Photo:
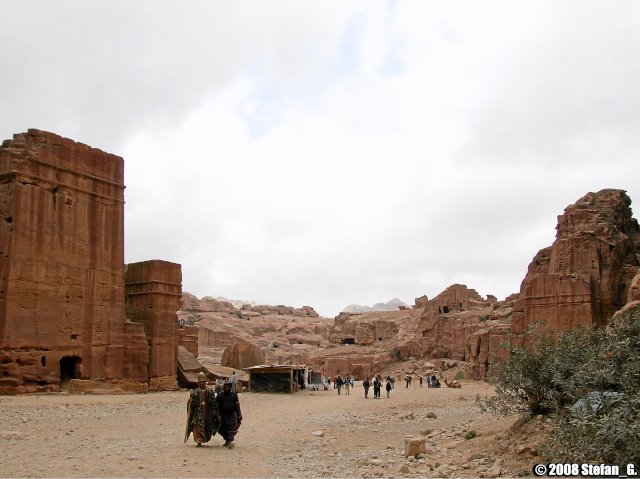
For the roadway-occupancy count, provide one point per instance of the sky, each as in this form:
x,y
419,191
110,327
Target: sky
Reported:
x,y
328,153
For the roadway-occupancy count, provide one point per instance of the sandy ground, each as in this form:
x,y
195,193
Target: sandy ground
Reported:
x,y
63,435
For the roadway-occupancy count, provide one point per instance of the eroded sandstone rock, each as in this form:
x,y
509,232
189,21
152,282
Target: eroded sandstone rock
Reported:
x,y
153,292
585,276
285,335
62,266
414,446
62,288
243,354
452,319
634,289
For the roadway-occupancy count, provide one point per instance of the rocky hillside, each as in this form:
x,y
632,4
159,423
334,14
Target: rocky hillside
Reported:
x,y
584,277
253,334
394,304
407,341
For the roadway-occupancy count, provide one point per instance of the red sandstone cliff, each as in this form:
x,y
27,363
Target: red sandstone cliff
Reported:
x,y
256,334
62,266
62,273
584,277
457,325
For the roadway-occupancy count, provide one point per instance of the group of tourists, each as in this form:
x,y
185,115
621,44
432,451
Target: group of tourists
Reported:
x,y
339,383
209,412
431,380
377,386
377,383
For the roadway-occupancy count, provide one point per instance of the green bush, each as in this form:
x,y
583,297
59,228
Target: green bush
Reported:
x,y
540,379
605,425
587,380
459,375
470,434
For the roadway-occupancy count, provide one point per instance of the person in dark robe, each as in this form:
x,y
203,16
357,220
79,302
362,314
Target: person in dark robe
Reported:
x,y
228,405
367,385
376,387
202,416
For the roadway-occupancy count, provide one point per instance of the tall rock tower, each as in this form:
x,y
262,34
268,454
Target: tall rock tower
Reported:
x,y
153,291
62,296
584,277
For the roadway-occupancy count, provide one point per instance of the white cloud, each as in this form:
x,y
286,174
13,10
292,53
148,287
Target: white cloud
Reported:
x,y
337,152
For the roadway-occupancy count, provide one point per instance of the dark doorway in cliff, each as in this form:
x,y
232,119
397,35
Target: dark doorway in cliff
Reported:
x,y
349,341
69,369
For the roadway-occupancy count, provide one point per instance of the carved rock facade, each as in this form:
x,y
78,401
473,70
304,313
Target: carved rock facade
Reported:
x,y
284,334
243,354
153,292
445,323
585,276
62,289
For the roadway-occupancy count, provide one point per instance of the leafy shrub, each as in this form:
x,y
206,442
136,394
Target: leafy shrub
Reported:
x,y
607,426
587,380
459,375
470,434
542,378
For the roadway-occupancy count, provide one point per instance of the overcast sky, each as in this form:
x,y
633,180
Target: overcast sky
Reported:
x,y
326,153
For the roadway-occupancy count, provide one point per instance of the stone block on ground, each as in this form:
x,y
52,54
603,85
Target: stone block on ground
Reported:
x,y
414,446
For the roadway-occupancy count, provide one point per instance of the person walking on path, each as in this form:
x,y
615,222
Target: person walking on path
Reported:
x,y
202,414
228,405
234,382
366,384
376,388
347,385
388,388
339,383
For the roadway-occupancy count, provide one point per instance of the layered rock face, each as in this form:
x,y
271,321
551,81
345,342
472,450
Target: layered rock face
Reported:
x,y
251,335
485,344
243,354
153,292
584,277
363,328
443,329
634,289
281,310
188,339
62,301
392,305
366,343
355,361
460,325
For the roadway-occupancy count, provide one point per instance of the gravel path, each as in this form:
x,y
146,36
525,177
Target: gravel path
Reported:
x,y
307,434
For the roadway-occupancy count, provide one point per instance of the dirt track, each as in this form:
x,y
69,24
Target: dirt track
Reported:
x,y
142,435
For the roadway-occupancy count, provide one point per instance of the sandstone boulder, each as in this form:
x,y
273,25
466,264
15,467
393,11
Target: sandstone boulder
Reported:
x,y
421,302
414,446
634,289
243,354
